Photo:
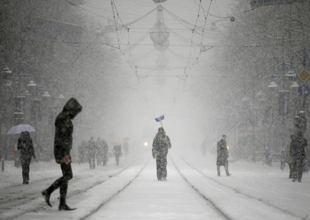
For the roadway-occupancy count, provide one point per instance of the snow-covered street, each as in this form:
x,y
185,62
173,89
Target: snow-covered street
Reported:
x,y
131,191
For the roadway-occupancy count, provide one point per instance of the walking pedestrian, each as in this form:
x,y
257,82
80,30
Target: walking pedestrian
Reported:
x,y
222,155
91,152
25,145
161,144
105,156
62,148
117,150
288,157
297,151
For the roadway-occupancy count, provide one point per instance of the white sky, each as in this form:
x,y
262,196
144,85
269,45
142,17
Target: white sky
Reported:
x,y
174,92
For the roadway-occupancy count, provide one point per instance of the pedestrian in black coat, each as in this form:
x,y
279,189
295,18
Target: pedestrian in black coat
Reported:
x,y
222,155
161,144
62,148
297,152
25,146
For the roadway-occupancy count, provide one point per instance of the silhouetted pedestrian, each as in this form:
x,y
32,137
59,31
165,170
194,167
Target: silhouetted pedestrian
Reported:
x,y
62,148
25,146
297,151
161,144
222,156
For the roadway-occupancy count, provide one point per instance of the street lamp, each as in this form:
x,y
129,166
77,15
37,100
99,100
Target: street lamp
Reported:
x,y
301,61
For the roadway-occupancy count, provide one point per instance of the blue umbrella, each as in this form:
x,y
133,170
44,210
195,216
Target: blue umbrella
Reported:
x,y
159,119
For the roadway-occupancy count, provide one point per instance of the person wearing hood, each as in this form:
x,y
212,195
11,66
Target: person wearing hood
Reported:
x,y
161,144
25,145
62,148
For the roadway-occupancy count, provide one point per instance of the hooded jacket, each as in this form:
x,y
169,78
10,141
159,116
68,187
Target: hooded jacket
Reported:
x,y
161,144
64,129
26,150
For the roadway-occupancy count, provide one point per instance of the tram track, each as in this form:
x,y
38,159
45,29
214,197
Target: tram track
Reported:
x,y
19,199
220,212
233,191
107,200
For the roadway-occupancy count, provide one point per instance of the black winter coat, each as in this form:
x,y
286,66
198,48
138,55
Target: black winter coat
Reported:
x,y
64,129
161,144
222,153
297,148
25,146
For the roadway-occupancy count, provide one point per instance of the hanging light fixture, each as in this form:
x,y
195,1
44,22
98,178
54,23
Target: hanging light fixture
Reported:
x,y
159,33
294,85
159,1
61,96
161,47
46,94
272,85
31,84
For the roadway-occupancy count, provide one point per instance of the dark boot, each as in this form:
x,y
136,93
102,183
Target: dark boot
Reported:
x,y
63,195
46,195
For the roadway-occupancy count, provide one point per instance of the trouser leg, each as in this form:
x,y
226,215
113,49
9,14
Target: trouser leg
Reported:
x,y
27,170
218,170
24,168
158,167
294,169
66,176
299,169
226,170
164,167
291,170
63,193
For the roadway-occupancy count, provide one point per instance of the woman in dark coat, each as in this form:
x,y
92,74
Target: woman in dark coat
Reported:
x,y
222,155
25,146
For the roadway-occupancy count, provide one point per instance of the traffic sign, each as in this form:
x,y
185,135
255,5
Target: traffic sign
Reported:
x,y
304,75
304,90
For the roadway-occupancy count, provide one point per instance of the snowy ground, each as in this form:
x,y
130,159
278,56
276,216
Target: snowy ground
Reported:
x,y
131,191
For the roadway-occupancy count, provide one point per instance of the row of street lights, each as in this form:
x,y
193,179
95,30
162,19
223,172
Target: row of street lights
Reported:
x,y
27,103
280,78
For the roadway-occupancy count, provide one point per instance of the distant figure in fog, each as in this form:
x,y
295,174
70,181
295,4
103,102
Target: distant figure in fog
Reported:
x,y
25,146
297,151
105,156
81,150
288,157
62,148
268,159
222,155
161,144
117,150
91,152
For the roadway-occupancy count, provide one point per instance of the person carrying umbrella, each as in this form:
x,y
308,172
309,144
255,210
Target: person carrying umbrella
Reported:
x,y
161,144
62,148
25,146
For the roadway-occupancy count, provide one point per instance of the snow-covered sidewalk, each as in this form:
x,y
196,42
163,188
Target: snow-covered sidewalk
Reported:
x,y
131,191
